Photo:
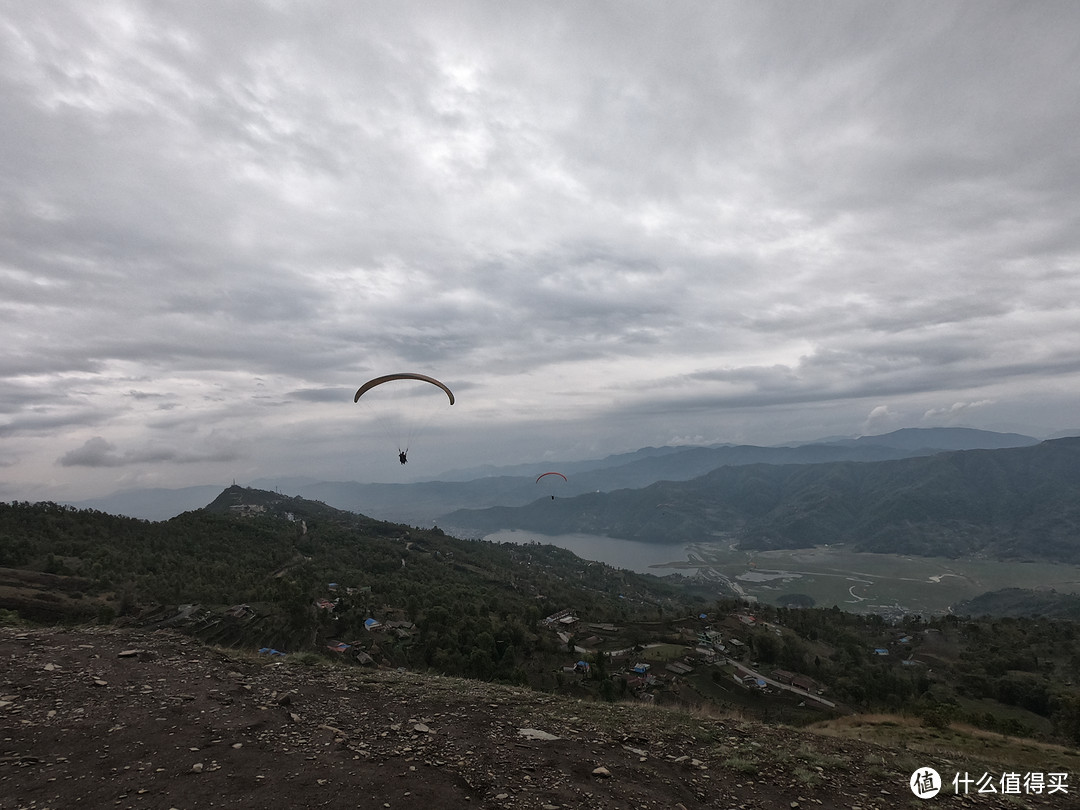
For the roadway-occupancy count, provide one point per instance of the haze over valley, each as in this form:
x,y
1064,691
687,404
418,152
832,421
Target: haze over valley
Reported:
x,y
914,521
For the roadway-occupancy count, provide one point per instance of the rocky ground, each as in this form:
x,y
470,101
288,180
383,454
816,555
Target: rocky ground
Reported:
x,y
118,718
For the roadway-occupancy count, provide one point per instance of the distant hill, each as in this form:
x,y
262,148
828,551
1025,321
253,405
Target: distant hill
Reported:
x,y
425,502
1022,602
1014,503
567,467
942,438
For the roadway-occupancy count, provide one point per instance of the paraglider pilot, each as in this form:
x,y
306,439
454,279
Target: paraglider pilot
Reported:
x,y
401,456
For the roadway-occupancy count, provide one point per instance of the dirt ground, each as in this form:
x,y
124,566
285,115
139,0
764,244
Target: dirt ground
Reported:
x,y
120,718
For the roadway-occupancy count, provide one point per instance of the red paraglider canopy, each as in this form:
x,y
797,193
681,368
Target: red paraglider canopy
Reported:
x,y
563,477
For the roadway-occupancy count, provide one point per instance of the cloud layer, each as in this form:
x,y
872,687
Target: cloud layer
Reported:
x,y
604,225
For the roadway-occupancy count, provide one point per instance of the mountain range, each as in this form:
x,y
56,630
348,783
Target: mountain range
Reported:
x,y
1018,503
481,487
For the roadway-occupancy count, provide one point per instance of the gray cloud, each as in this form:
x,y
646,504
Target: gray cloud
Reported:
x,y
608,225
97,452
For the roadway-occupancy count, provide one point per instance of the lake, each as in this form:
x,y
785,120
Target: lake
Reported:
x,y
862,582
629,554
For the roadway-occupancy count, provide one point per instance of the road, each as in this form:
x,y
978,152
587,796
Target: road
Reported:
x,y
800,692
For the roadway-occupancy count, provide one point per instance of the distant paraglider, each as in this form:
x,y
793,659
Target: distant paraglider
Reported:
x,y
401,413
551,483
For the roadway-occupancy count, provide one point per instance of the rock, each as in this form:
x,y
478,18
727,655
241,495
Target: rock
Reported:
x,y
535,734
197,767
420,728
128,653
602,772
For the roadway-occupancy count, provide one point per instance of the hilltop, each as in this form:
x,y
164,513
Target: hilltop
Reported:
x,y
123,718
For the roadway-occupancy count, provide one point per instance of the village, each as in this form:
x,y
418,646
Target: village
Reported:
x,y
693,660
706,645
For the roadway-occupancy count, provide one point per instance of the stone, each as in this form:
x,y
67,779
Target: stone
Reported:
x,y
535,734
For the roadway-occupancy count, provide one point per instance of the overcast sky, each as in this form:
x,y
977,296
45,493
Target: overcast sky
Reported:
x,y
604,225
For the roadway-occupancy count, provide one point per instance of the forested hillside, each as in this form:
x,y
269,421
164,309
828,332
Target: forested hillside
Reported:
x,y
281,555
1016,503
259,571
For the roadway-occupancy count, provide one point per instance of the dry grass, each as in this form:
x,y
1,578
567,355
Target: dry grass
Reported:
x,y
853,721
958,743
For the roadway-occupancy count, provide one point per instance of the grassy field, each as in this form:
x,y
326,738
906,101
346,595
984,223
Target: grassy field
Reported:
x,y
866,583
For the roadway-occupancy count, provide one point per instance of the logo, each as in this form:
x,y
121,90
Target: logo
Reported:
x,y
925,783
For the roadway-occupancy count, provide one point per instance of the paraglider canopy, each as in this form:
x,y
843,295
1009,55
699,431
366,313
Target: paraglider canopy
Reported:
x,y
403,376
563,477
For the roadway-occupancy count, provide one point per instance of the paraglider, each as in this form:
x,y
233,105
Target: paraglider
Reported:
x,y
400,412
551,482
404,376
